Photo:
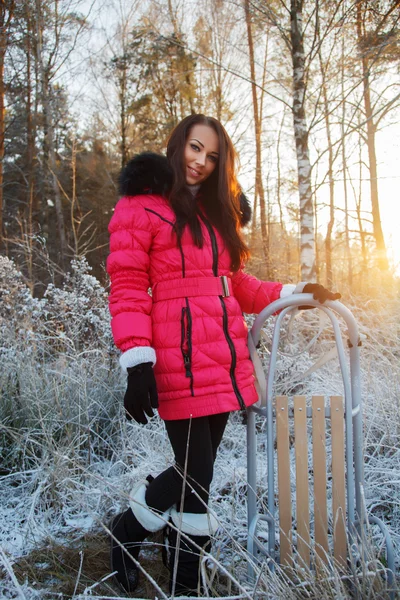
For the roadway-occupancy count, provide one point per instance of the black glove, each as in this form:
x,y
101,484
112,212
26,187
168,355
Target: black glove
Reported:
x,y
141,394
320,293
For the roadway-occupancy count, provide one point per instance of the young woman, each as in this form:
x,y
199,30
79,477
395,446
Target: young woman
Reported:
x,y
176,230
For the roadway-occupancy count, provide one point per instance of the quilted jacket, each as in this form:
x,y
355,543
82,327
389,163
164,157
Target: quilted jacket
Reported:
x,y
180,300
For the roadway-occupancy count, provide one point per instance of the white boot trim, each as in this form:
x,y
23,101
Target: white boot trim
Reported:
x,y
194,524
148,517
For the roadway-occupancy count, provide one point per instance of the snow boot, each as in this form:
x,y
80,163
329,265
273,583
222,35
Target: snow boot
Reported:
x,y
188,551
128,530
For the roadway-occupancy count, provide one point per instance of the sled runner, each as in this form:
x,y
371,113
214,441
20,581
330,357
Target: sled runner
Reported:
x,y
336,425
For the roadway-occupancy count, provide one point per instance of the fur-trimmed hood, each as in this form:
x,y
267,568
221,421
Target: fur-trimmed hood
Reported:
x,y
150,173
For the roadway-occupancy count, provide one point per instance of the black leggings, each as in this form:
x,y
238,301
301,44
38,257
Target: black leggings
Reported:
x,y
205,435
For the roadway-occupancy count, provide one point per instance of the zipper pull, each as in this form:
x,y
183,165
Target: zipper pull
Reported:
x,y
186,361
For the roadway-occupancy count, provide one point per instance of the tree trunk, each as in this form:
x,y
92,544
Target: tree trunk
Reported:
x,y
30,149
363,233
315,208
3,46
284,234
346,210
123,114
331,222
259,188
49,133
254,222
371,130
279,176
344,166
6,14
307,235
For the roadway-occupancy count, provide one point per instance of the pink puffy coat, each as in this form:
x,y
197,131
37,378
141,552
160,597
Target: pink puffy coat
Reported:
x,y
193,318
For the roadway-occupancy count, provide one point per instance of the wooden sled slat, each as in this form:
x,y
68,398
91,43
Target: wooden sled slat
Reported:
x,y
338,481
319,464
284,496
302,491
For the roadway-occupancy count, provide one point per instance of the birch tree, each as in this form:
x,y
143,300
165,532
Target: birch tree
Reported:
x,y
307,233
281,17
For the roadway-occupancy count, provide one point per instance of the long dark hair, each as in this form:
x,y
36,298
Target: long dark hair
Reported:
x,y
220,192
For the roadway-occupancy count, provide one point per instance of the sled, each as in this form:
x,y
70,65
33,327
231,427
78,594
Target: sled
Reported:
x,y
322,536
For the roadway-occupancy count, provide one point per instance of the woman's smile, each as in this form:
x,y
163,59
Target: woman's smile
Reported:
x,y
194,172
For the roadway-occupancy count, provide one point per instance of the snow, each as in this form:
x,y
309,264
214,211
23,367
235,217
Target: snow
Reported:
x,y
69,457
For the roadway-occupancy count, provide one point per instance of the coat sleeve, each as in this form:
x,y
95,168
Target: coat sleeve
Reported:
x,y
253,294
130,304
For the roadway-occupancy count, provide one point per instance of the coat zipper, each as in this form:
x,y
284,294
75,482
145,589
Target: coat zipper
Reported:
x,y
233,355
186,342
225,314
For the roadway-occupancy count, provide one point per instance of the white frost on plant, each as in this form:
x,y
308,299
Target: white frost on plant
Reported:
x,y
69,458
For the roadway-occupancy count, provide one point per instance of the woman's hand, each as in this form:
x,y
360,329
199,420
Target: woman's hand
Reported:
x,y
320,292
141,394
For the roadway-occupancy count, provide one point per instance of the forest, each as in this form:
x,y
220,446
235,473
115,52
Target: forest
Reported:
x,y
309,91
305,89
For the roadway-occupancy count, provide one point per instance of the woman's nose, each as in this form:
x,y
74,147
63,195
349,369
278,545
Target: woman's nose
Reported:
x,y
201,159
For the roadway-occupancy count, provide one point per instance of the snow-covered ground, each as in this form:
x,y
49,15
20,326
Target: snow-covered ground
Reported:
x,y
69,457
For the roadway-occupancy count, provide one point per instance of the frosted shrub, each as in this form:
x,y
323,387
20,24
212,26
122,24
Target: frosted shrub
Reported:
x,y
18,310
59,363
77,314
19,317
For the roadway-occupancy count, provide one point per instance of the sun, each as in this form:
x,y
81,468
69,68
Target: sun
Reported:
x,y
388,153
389,202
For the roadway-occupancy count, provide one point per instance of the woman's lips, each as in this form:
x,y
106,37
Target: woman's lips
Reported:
x,y
193,172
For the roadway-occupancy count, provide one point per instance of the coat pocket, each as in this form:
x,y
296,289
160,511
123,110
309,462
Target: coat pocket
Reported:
x,y
186,342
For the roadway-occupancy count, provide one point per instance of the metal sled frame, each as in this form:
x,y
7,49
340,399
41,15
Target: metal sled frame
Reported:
x,y
354,515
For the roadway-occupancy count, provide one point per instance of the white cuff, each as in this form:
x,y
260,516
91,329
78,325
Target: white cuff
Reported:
x,y
148,517
290,288
300,287
136,356
194,524
287,290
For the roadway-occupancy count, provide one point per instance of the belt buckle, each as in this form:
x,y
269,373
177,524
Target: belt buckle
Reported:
x,y
225,286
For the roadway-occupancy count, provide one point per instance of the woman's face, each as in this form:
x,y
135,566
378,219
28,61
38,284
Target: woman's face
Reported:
x,y
201,154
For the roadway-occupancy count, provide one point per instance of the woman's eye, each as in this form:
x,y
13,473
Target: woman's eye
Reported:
x,y
213,158
194,147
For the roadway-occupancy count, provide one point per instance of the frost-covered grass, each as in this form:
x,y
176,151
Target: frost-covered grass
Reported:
x,y
69,457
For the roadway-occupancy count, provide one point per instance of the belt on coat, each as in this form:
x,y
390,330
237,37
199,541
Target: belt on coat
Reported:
x,y
192,286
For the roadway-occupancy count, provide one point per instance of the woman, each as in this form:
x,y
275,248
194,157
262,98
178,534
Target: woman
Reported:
x,y
176,230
